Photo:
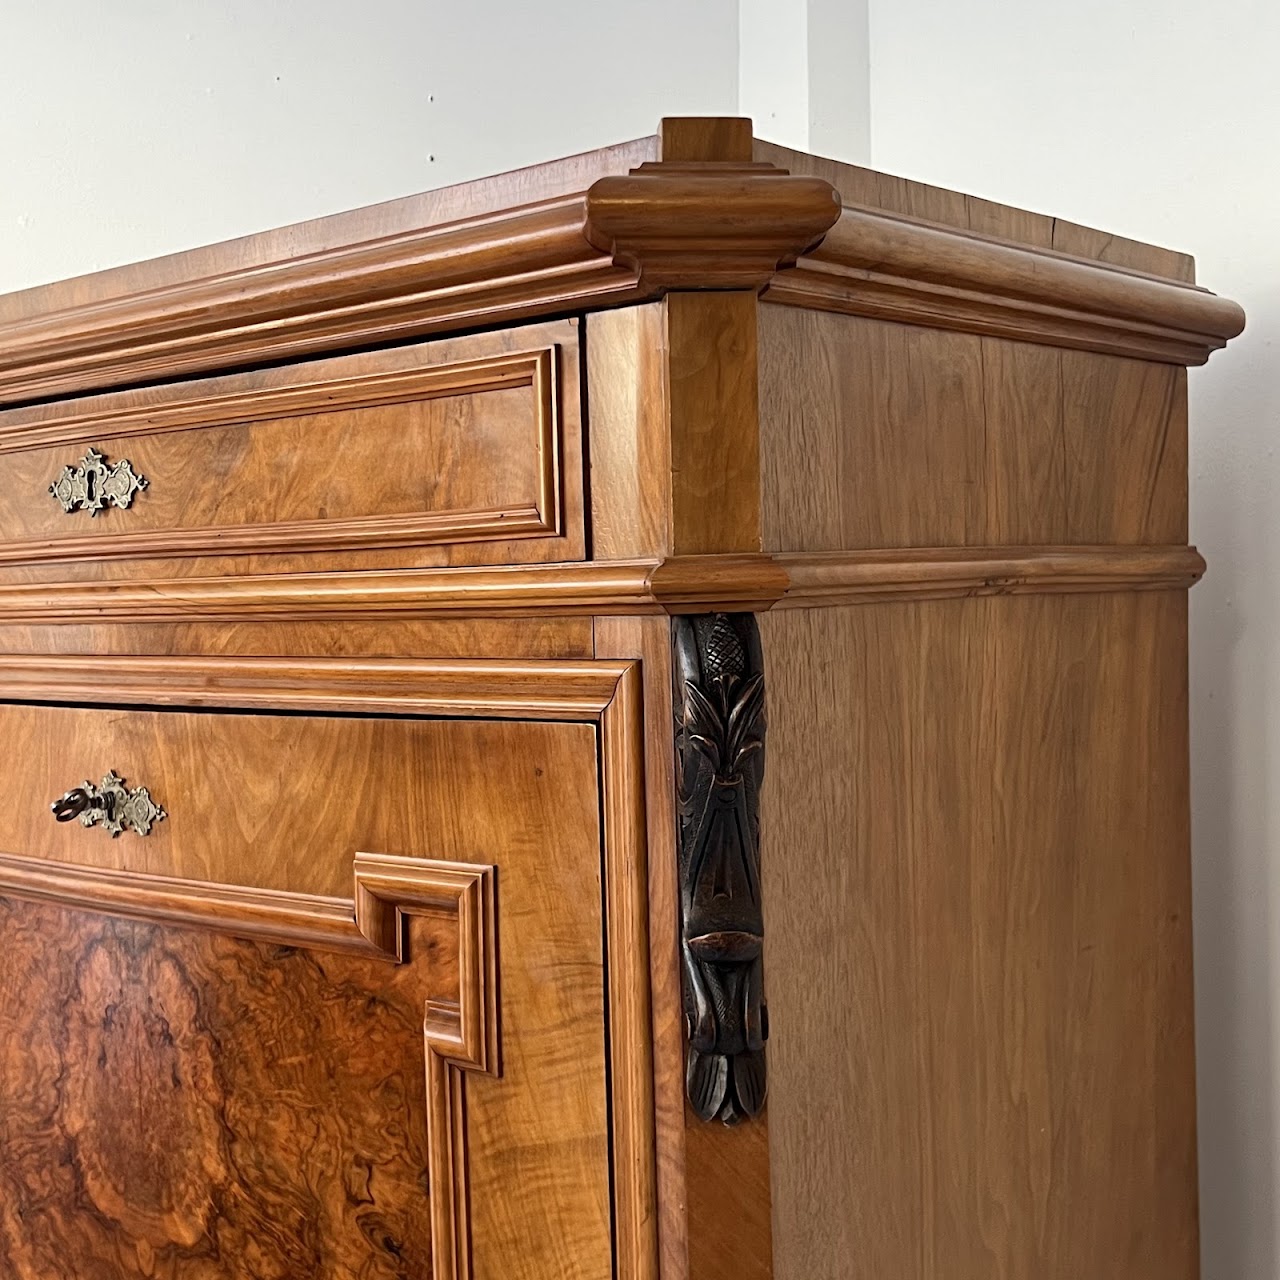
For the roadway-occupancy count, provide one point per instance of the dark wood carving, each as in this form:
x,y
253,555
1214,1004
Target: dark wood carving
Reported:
x,y
720,727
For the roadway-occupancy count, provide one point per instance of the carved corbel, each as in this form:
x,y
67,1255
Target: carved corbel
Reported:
x,y
720,730
699,225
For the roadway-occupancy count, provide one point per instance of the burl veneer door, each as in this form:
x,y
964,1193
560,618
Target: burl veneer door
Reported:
x,y
340,1013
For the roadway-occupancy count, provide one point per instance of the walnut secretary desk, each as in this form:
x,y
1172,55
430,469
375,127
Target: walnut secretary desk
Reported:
x,y
627,719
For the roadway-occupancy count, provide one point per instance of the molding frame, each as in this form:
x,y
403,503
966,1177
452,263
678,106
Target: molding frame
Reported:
x,y
460,1025
387,890
681,584
204,406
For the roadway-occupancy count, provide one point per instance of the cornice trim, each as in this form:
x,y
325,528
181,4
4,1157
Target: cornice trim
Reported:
x,y
890,267
627,238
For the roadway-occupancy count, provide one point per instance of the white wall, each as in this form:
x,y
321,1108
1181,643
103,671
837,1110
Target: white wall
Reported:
x,y
1160,119
141,127
138,127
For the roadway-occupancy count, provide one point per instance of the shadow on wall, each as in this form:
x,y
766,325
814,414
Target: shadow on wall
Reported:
x,y
1235,683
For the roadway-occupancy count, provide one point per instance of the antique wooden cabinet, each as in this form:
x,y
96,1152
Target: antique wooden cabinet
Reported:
x,y
623,720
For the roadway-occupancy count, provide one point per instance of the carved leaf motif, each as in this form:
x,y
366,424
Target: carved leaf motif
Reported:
x,y
720,704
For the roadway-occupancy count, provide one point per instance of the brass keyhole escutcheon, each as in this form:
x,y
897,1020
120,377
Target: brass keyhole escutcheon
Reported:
x,y
112,805
94,484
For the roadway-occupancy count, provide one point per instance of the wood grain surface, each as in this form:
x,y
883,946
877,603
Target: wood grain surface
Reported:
x,y
473,440
536,816
893,436
978,941
241,790
712,1181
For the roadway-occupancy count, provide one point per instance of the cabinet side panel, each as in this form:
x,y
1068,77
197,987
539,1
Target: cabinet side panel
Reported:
x,y
875,434
978,940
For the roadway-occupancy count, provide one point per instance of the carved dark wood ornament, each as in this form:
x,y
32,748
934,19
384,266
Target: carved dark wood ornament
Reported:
x,y
720,727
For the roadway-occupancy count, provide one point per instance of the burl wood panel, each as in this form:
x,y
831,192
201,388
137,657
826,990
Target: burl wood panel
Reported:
x,y
978,940
288,800
875,434
184,1105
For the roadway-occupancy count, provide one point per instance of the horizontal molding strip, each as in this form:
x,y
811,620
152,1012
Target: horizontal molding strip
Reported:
x,y
503,689
265,915
627,238
685,584
203,403
462,1026
493,269
360,534
831,578
891,267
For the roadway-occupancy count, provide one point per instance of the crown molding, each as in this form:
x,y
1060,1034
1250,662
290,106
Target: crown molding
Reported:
x,y
624,238
891,267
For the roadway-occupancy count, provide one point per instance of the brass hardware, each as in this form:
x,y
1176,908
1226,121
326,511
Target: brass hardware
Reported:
x,y
112,804
95,483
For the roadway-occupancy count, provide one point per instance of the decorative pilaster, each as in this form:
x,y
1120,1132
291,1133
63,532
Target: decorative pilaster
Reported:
x,y
719,733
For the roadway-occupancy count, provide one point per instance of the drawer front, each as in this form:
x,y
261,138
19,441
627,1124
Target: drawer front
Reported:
x,y
464,449
210,1060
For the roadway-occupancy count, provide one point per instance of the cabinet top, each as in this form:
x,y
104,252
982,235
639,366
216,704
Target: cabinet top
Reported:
x,y
702,204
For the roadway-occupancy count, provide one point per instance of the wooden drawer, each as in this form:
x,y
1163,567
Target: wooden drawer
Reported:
x,y
209,1054
463,450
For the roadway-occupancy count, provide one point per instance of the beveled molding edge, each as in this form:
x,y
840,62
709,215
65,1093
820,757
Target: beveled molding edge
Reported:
x,y
85,422
627,238
683,584
892,267
206,402
460,1024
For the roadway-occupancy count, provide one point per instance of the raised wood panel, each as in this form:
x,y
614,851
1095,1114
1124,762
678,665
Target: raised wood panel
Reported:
x,y
558,807
185,1105
456,441
978,940
887,435
531,807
